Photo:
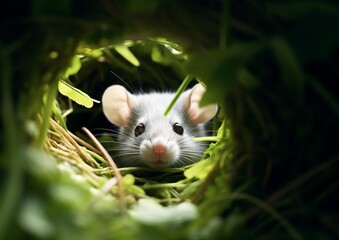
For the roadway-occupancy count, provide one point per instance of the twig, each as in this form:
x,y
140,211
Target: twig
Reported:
x,y
116,171
93,178
82,142
71,140
291,186
294,234
258,114
163,185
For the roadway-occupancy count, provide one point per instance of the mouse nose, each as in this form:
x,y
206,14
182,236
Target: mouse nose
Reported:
x,y
159,149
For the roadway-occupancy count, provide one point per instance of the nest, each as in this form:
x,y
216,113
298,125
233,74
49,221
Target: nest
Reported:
x,y
270,169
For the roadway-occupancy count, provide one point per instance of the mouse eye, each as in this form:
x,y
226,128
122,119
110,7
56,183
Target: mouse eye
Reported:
x,y
140,129
177,128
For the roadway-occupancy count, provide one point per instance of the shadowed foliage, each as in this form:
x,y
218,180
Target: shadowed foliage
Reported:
x,y
271,169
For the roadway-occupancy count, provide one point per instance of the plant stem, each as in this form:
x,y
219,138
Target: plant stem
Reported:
x,y
293,185
206,139
12,185
203,187
47,111
116,171
274,214
182,87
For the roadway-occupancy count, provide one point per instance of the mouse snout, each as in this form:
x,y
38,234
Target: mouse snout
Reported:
x,y
159,149
159,153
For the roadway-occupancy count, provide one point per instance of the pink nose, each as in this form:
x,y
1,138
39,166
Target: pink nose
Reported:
x,y
159,149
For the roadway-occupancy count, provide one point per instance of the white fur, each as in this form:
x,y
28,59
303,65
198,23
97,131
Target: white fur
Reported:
x,y
127,111
196,113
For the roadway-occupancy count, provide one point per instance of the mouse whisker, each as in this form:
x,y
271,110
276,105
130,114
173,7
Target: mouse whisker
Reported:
x,y
125,155
190,153
127,143
108,141
185,161
104,131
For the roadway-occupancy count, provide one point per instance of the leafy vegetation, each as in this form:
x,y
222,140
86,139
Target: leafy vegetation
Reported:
x,y
270,169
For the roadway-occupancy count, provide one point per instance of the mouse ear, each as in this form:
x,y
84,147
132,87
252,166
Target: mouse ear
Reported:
x,y
196,113
117,104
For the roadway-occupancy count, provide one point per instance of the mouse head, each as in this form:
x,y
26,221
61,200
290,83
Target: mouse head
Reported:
x,y
118,104
149,138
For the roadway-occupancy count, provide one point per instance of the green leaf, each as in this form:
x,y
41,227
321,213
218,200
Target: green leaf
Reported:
x,y
163,215
211,230
167,53
128,182
127,54
199,170
75,94
33,219
247,79
40,164
218,69
74,67
292,74
158,56
174,48
69,193
95,53
206,67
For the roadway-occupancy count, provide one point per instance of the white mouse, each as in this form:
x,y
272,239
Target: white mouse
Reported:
x,y
148,138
